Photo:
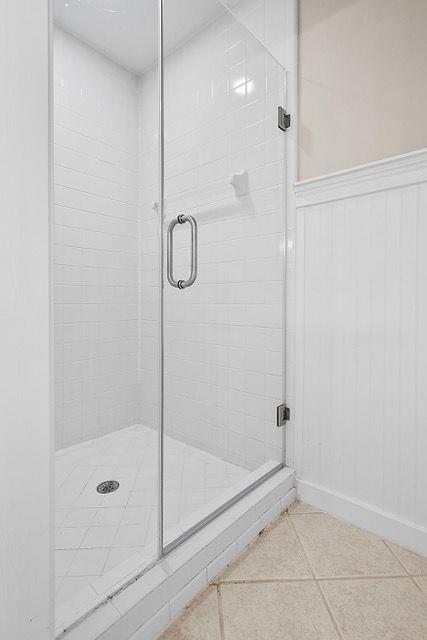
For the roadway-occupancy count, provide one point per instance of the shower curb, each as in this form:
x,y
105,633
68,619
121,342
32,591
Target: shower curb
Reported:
x,y
144,609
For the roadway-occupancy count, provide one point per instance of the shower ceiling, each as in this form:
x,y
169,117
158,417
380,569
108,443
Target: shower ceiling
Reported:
x,y
126,30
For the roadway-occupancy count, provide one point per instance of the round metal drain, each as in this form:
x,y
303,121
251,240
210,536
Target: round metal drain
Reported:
x,y
108,486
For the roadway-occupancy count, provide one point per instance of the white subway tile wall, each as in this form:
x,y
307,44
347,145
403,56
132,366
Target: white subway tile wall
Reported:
x,y
95,244
265,19
224,335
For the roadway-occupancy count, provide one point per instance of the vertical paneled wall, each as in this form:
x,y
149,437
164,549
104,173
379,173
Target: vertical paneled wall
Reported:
x,y
224,335
96,243
362,337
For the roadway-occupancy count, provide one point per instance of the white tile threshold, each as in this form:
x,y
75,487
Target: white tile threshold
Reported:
x,y
143,609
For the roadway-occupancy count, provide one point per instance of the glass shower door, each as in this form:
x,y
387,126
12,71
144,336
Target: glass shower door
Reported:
x,y
224,271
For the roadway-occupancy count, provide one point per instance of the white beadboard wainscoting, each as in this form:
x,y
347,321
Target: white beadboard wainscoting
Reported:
x,y
361,412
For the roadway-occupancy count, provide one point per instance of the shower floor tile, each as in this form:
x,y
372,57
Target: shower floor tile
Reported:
x,y
97,532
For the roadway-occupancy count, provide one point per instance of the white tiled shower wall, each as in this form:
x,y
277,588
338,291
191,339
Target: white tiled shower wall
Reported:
x,y
96,244
224,335
266,20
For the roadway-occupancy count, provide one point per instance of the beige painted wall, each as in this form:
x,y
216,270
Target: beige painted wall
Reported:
x,y
362,82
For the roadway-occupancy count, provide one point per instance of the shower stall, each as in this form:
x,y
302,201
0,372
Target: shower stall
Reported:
x,y
169,278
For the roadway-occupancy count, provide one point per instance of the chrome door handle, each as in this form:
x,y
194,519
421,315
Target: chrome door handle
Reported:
x,y
182,284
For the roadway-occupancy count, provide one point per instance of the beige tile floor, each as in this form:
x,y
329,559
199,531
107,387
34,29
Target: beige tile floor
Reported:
x,y
312,577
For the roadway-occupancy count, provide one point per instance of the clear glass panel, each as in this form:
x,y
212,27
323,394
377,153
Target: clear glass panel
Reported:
x,y
223,335
223,347
106,294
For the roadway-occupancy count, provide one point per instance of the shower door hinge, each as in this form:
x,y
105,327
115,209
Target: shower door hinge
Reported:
x,y
283,415
283,119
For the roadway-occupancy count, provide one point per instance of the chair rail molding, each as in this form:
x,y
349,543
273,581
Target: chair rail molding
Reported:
x,y
397,171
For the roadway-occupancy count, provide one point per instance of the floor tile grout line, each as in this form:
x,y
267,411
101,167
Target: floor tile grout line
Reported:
x,y
264,581
322,594
388,547
97,508
329,608
220,612
318,579
301,547
110,547
70,466
300,513
394,576
421,588
303,513
65,575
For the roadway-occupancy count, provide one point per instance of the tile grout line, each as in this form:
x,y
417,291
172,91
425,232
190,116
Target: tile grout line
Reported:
x,y
220,583
326,603
304,513
322,579
386,542
98,508
420,587
329,608
401,564
111,546
220,612
69,566
264,581
301,513
391,576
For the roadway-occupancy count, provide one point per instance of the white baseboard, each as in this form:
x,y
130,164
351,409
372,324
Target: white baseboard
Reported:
x,y
366,516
